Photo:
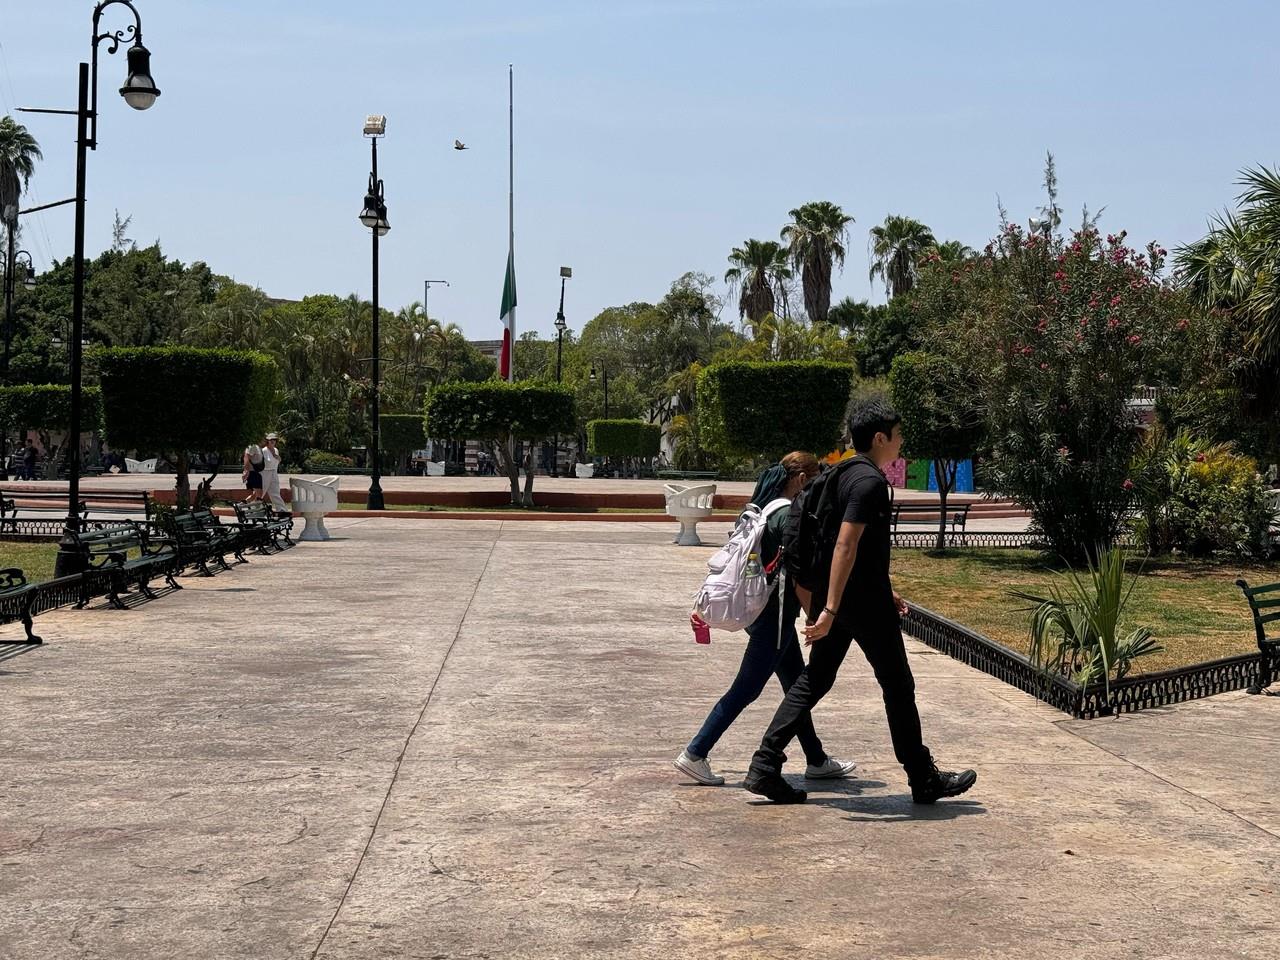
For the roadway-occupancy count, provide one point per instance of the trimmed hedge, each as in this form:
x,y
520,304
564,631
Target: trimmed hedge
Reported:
x,y
177,399
623,438
402,432
750,409
494,409
48,407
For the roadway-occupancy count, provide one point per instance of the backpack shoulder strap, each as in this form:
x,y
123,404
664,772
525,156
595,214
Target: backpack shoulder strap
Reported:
x,y
773,506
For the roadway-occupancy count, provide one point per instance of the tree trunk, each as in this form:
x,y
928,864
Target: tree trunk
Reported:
x,y
506,455
528,476
944,471
183,482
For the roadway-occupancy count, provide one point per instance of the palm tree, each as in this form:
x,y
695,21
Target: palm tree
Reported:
x,y
954,251
18,155
758,266
896,248
815,240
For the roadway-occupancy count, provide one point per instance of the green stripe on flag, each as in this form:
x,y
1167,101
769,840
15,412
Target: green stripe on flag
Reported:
x,y
509,287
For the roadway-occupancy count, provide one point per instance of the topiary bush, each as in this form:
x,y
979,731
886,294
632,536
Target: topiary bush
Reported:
x,y
623,438
178,399
749,409
401,434
500,412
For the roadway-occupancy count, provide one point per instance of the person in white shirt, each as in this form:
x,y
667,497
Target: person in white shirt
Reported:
x,y
271,472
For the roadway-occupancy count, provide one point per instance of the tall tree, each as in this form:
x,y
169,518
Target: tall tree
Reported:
x,y
953,251
18,155
755,270
815,240
897,246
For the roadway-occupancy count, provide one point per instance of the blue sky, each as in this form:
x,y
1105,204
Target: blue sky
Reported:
x,y
651,136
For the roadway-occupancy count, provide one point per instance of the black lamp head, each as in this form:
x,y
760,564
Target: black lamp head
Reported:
x,y
139,90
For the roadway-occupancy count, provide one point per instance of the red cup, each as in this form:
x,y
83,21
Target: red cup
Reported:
x,y
701,632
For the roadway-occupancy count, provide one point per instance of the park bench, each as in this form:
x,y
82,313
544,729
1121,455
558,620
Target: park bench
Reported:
x,y
927,514
56,500
121,499
198,538
16,596
688,505
1265,604
107,547
141,466
687,474
258,513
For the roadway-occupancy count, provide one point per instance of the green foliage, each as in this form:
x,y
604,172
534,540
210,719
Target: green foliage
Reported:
x,y
402,432
321,461
1076,631
48,407
1056,334
623,438
1199,498
897,247
184,398
769,409
816,238
494,410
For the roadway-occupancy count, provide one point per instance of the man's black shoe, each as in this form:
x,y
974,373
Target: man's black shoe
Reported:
x,y
942,783
776,789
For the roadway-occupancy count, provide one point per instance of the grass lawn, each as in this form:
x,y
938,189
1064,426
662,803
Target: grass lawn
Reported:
x,y
1195,610
33,559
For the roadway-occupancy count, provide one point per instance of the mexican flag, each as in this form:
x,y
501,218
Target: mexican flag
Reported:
x,y
506,366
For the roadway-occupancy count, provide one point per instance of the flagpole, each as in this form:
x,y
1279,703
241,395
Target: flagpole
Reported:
x,y
511,202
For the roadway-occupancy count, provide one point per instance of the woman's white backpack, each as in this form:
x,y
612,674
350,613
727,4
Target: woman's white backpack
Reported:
x,y
731,597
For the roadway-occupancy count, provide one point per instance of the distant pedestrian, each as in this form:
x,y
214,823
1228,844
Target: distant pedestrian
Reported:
x,y
271,472
767,652
252,473
29,458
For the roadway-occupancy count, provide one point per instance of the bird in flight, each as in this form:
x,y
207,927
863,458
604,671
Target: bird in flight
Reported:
x,y
459,145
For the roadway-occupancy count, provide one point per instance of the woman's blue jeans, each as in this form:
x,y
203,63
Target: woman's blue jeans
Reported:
x,y
762,659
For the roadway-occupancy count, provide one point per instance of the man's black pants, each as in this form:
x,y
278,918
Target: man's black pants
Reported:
x,y
881,643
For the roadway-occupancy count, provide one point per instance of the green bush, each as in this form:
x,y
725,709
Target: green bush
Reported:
x,y
320,461
179,399
623,438
1200,499
771,408
48,407
402,432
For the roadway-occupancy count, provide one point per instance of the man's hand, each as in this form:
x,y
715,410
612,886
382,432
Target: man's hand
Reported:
x,y
818,629
900,604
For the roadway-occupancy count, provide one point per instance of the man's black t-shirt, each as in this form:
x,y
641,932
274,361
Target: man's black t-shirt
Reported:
x,y
864,497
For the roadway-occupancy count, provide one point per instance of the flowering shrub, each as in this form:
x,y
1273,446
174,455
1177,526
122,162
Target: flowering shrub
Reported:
x,y
1058,332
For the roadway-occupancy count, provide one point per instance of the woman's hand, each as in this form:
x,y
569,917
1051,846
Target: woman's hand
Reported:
x,y
900,604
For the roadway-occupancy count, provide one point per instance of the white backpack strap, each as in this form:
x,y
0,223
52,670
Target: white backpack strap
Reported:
x,y
773,506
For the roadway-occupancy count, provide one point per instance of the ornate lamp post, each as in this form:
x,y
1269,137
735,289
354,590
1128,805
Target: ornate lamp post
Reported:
x,y
561,326
139,91
374,216
605,371
15,272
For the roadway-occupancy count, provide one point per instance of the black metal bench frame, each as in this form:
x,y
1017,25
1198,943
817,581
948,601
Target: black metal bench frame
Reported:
x,y
16,596
957,516
1264,602
259,513
105,548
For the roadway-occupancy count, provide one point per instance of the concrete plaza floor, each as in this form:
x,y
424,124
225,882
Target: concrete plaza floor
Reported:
x,y
455,740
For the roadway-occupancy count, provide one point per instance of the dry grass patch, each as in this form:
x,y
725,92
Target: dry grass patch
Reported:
x,y
1195,610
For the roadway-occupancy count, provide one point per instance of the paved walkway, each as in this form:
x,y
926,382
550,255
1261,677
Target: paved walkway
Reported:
x,y
457,744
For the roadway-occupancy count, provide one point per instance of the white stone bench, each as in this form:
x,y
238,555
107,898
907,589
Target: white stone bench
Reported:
x,y
141,466
313,499
435,469
584,471
689,504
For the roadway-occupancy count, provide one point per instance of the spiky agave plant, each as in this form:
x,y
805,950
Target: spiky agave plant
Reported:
x,y
1076,629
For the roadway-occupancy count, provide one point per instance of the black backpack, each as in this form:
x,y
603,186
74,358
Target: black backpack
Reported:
x,y
809,537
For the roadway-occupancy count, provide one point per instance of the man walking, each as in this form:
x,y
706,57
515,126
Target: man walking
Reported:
x,y
858,603
271,472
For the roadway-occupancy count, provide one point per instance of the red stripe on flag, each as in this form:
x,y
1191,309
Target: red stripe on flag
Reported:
x,y
504,365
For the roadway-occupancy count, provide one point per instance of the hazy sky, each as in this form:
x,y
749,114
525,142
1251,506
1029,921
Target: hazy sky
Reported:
x,y
651,136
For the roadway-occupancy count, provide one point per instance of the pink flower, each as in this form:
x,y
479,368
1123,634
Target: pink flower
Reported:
x,y
1134,340
1183,324
1128,484
1044,366
1059,275
1063,452
1115,301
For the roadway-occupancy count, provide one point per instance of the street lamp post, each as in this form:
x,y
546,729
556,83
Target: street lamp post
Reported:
x,y
561,325
605,373
374,216
139,92
14,272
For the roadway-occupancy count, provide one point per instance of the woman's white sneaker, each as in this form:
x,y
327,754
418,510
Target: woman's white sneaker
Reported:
x,y
831,769
698,768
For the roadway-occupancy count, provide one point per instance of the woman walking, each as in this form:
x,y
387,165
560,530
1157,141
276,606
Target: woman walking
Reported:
x,y
765,655
252,474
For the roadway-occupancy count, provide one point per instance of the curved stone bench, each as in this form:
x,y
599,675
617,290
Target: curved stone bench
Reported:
x,y
584,471
141,466
313,499
688,505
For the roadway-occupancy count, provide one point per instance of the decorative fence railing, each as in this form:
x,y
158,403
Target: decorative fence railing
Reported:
x,y
1126,696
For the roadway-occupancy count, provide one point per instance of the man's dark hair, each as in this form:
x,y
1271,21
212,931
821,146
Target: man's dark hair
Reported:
x,y
869,418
